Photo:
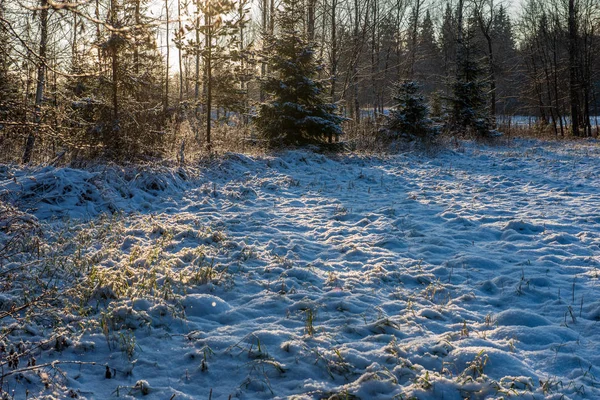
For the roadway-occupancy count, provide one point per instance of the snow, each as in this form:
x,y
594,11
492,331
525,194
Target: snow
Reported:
x,y
471,273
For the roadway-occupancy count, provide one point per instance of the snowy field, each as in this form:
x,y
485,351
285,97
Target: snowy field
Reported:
x,y
470,274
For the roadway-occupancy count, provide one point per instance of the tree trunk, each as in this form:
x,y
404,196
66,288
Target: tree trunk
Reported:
x,y
272,18
243,84
167,44
41,81
208,76
114,62
136,52
414,34
97,15
355,63
197,76
555,72
334,60
310,24
492,81
574,86
180,35
375,58
263,65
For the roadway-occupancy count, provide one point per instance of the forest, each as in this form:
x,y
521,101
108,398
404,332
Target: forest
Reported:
x,y
117,79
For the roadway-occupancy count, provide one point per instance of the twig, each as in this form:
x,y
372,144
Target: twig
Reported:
x,y
52,364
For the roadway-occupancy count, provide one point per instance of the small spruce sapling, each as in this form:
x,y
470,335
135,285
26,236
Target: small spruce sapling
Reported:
x,y
410,116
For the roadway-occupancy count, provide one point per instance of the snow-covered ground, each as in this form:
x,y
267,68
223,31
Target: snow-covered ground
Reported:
x,y
470,274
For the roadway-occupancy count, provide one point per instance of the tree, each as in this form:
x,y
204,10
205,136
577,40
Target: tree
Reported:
x,y
468,101
410,114
215,28
41,81
8,89
296,113
428,62
121,108
448,42
574,84
485,15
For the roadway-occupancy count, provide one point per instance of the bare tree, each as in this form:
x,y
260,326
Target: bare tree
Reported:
x,y
41,81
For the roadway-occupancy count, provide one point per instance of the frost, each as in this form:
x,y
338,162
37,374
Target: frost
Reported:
x,y
297,275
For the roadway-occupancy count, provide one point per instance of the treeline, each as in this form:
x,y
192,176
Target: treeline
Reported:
x,y
129,78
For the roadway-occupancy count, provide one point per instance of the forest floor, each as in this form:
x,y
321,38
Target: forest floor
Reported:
x,y
474,273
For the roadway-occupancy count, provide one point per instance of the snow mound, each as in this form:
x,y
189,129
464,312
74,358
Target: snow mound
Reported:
x,y
523,227
82,194
203,305
521,317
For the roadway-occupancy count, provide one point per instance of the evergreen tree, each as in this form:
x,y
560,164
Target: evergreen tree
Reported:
x,y
296,112
428,63
410,115
469,111
122,108
505,62
448,42
219,34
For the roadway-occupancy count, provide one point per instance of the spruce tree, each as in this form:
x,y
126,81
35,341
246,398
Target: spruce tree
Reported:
x,y
447,42
121,107
410,115
428,62
296,112
469,112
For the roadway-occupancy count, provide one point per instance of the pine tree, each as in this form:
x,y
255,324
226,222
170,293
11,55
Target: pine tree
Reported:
x,y
410,115
215,28
296,112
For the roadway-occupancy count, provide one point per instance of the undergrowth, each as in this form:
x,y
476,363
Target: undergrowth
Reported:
x,y
63,280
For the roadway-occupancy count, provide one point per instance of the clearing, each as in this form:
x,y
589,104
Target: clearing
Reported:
x,y
473,273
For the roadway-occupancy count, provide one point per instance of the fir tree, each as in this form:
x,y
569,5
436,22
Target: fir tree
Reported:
x,y
296,112
448,42
410,115
468,103
121,108
428,62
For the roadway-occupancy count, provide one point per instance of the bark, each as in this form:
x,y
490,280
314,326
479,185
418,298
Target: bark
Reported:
x,y
414,34
179,53
334,60
574,86
97,15
208,76
41,81
114,62
197,74
136,52
263,65
355,63
166,99
310,24
485,27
